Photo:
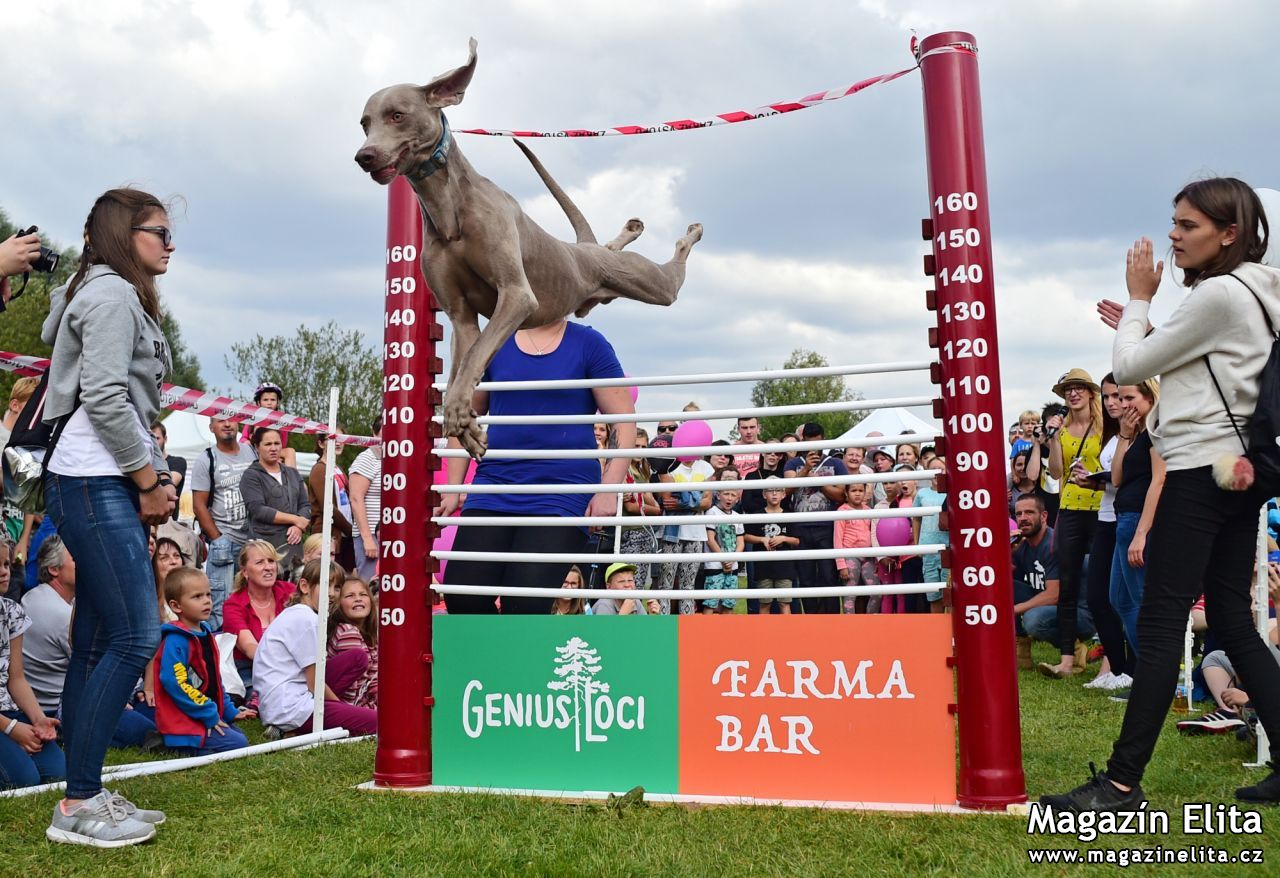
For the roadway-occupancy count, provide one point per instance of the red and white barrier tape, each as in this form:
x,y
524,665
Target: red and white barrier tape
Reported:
x,y
729,118
177,398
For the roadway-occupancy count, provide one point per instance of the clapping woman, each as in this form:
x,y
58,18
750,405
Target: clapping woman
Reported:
x,y
1209,356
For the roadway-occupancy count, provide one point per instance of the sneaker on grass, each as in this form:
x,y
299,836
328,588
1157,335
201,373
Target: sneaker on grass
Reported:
x,y
1096,794
1121,695
1102,681
100,822
1265,792
1215,723
1120,681
146,815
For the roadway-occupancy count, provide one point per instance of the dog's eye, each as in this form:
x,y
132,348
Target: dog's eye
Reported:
x,y
397,117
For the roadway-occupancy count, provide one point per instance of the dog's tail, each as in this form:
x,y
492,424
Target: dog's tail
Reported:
x,y
576,219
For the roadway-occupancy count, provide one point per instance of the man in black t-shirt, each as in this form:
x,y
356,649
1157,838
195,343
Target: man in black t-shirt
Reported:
x,y
1035,580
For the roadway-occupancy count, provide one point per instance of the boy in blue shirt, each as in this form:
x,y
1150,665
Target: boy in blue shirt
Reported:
x,y
193,712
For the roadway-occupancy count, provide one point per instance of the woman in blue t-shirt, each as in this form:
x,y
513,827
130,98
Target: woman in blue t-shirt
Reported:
x,y
557,351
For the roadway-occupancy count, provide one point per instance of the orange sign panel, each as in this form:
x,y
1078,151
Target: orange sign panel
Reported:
x,y
828,708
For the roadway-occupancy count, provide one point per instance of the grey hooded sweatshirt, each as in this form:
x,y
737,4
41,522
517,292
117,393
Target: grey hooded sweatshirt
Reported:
x,y
106,346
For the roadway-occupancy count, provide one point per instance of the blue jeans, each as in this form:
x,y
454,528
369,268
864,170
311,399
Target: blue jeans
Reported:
x,y
1127,582
220,567
1041,623
116,628
18,768
365,566
133,725
232,739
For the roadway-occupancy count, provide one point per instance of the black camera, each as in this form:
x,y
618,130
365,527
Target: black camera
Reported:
x,y
48,261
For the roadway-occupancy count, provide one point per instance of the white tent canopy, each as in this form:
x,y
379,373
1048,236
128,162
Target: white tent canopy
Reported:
x,y
890,423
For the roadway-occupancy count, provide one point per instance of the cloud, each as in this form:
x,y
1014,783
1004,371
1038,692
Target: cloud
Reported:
x,y
1094,115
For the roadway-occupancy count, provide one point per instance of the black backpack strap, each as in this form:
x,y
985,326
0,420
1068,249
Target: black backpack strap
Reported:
x,y
212,470
1222,396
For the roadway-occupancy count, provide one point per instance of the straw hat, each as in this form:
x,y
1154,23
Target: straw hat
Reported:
x,y
1075,376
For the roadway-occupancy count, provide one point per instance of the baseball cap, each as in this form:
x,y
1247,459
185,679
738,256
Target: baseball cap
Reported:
x,y
618,568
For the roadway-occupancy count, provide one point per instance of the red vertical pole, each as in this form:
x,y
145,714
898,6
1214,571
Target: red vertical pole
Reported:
x,y
405,533
982,578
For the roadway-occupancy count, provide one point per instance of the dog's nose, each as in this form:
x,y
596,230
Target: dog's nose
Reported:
x,y
366,157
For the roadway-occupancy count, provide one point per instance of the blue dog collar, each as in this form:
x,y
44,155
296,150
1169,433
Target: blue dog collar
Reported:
x,y
439,157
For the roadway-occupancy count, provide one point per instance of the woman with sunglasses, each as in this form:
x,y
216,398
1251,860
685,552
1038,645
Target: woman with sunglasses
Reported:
x,y
1075,449
1204,534
105,483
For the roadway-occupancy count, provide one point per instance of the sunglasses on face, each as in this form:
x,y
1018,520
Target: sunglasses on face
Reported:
x,y
165,233
666,428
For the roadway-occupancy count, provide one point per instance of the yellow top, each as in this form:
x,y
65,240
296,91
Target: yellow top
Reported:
x,y
1089,450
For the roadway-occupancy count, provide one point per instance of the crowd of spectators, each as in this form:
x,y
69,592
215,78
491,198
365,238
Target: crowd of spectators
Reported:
x,y
773,541
222,582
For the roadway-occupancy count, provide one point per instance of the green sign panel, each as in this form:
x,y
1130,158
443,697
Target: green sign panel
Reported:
x,y
556,702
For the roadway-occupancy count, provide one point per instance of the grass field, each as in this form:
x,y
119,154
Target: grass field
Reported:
x,y
297,814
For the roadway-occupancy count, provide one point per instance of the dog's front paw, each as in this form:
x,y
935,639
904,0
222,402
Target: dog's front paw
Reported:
x,y
460,423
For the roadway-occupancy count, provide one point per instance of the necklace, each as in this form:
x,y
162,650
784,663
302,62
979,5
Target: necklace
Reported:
x,y
270,602
539,351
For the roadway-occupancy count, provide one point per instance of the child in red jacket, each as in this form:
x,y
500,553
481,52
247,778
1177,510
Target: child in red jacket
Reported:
x,y
193,713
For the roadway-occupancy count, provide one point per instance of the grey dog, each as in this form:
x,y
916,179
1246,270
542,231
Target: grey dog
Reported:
x,y
481,255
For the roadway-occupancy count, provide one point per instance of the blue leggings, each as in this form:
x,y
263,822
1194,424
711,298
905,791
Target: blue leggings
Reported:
x,y
18,768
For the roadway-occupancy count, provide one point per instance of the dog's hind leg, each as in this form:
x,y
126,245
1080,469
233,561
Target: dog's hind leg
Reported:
x,y
630,231
632,276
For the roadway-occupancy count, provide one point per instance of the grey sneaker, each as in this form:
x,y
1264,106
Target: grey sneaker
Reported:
x,y
98,822
146,815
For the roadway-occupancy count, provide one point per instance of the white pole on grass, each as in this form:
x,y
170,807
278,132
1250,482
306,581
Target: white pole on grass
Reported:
x,y
1261,568
326,549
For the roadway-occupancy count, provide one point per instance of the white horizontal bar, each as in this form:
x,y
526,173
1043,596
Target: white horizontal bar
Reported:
x,y
919,475
855,405
664,520
705,378
691,451
687,557
165,766
830,591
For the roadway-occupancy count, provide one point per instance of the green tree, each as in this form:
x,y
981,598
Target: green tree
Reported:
x,y
805,391
21,323
307,365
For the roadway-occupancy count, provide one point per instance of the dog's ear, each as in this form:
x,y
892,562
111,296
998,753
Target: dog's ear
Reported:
x,y
447,89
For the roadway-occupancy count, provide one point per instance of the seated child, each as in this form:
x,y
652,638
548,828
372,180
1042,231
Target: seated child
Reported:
x,y
284,667
856,534
623,577
353,625
773,538
723,535
193,713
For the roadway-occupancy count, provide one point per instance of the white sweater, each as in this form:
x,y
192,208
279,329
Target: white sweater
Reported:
x,y
1219,317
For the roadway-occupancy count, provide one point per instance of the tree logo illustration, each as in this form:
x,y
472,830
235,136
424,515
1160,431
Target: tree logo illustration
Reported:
x,y
577,666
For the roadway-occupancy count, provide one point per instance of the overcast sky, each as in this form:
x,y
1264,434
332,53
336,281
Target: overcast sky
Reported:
x,y
1096,113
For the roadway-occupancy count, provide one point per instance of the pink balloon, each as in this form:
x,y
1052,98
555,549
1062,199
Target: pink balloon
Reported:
x,y
691,434
894,531
634,391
